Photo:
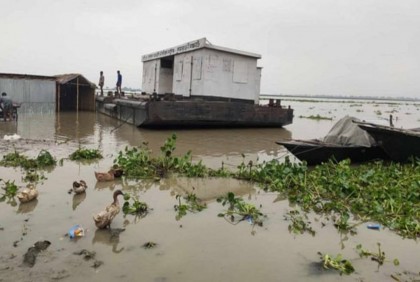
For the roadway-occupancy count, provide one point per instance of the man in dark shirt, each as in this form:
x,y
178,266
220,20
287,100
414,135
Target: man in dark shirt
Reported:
x,y
6,105
101,82
119,82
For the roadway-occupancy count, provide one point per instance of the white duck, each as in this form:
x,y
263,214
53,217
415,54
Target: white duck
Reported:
x,y
27,194
104,218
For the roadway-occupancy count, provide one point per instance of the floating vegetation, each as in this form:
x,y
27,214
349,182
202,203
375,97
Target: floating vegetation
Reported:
x,y
33,176
317,117
378,112
138,163
45,159
15,159
85,154
299,223
341,222
388,193
149,245
238,207
337,262
10,189
379,257
136,208
192,204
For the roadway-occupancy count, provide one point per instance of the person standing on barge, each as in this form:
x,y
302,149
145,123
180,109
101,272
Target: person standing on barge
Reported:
x,y
101,82
119,82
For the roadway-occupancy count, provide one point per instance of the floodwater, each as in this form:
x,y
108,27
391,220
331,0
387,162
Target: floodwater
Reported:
x,y
198,247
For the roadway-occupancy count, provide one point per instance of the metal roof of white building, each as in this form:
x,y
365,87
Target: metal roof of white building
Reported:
x,y
194,45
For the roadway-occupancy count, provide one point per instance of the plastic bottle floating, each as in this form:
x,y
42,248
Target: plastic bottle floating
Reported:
x,y
374,226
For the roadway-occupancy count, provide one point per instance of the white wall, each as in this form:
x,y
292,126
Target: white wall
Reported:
x,y
148,80
214,73
229,75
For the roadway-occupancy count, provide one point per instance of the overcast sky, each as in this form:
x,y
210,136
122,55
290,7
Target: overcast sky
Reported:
x,y
336,47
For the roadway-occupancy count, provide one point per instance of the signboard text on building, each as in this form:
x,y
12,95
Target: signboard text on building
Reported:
x,y
175,50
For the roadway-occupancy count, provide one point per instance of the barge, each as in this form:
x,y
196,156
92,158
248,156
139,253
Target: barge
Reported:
x,y
194,113
198,84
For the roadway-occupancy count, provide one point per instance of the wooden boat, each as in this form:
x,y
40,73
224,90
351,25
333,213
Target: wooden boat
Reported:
x,y
400,144
315,151
344,141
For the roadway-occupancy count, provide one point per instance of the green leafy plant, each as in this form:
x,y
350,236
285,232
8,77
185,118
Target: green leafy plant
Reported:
x,y
15,159
10,190
9,187
387,193
45,159
33,176
136,207
337,262
192,204
238,207
299,223
379,256
85,154
138,163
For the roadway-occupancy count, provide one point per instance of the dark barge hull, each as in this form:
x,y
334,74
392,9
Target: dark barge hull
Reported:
x,y
399,144
195,113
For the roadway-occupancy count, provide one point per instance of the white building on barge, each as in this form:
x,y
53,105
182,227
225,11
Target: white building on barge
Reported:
x,y
199,69
198,84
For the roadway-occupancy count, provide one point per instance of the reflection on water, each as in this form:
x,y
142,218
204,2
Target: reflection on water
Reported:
x,y
212,145
27,207
78,199
210,189
110,237
101,185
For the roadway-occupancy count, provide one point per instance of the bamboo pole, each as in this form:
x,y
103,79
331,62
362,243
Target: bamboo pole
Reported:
x,y
58,98
77,91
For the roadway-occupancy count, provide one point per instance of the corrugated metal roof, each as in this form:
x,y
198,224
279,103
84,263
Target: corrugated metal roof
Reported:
x,y
61,78
26,76
194,45
69,77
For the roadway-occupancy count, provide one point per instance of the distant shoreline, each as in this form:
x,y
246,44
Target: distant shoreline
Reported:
x,y
411,99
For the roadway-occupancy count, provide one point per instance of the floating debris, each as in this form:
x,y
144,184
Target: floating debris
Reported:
x,y
149,245
87,255
76,231
374,226
30,256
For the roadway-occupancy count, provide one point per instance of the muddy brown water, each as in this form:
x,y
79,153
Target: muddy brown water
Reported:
x,y
199,247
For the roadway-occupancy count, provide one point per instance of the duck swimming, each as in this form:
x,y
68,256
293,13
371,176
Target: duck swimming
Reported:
x,y
114,172
104,218
79,187
27,194
105,176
